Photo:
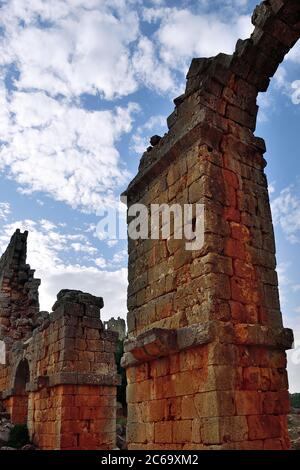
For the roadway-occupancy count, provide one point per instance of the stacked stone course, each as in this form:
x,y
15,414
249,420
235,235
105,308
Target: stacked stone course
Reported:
x,y
60,375
19,301
205,356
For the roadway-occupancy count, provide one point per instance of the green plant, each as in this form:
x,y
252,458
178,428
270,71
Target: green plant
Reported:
x,y
122,421
295,400
19,436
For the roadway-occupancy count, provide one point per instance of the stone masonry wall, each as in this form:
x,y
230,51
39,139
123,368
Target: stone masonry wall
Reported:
x,y
61,379
205,356
72,417
19,300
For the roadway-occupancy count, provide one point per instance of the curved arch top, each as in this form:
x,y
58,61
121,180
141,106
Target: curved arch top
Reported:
x,y
224,88
205,356
255,60
21,377
277,29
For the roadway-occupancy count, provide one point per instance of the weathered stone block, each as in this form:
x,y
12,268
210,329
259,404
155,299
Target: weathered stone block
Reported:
x,y
211,404
263,426
248,402
140,432
182,431
163,432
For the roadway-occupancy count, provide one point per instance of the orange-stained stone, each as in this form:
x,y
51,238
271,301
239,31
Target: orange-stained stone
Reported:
x,y
248,402
264,426
163,432
231,178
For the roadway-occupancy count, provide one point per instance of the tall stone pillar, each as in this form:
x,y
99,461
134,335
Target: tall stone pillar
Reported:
x,y
19,297
205,356
19,305
62,381
73,386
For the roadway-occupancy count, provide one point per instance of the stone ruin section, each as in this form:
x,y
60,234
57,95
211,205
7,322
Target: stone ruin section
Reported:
x,y
19,297
60,373
205,356
118,325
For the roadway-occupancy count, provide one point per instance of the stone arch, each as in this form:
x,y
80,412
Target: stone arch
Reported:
x,y
205,354
22,377
18,402
254,62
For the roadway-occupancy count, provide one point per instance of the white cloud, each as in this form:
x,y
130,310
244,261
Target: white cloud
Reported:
x,y
63,150
271,187
282,269
111,243
294,357
84,248
284,282
286,287
71,47
230,3
4,210
46,249
140,139
62,49
111,285
294,54
280,77
296,92
100,262
56,51
286,213
266,105
290,89
158,2
149,68
152,15
120,257
183,35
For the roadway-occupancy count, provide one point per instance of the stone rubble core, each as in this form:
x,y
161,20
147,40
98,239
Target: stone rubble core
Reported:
x,y
60,374
205,355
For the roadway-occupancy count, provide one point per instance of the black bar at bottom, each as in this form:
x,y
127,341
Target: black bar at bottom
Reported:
x,y
134,459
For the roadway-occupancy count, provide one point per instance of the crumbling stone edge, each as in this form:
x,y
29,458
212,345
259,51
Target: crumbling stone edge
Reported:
x,y
160,342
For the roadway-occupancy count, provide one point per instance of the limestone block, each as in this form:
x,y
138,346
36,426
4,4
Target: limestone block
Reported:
x,y
140,432
154,343
210,404
264,426
182,431
249,402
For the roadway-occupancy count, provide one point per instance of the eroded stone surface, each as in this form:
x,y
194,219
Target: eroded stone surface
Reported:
x,y
229,391
19,298
60,374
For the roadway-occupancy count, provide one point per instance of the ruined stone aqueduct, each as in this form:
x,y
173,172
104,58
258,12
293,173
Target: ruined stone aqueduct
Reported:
x,y
205,354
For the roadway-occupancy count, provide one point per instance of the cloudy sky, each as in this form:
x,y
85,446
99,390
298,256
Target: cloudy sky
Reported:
x,y
83,85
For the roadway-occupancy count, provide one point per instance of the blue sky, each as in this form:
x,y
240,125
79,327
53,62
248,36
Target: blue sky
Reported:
x,y
83,85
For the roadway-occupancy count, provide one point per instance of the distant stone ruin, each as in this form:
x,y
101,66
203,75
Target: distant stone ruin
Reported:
x,y
205,355
118,325
59,375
